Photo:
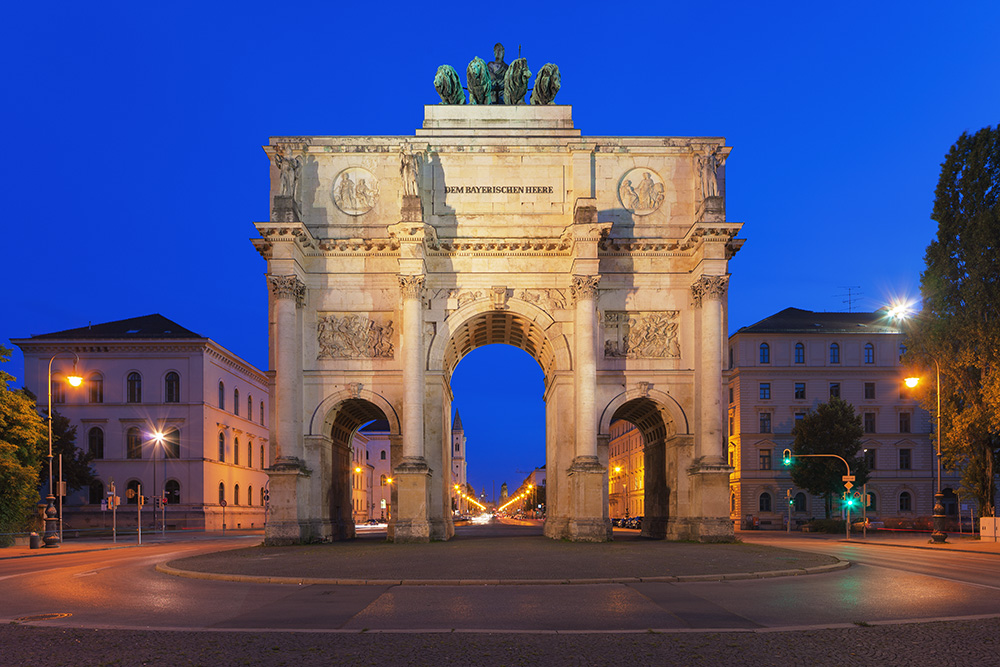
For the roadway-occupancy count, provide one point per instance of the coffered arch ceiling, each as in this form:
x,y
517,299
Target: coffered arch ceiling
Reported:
x,y
652,421
497,326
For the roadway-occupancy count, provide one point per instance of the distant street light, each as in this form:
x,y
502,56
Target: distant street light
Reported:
x,y
52,518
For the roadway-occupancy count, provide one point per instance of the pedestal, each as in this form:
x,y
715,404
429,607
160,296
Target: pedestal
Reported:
x,y
284,525
939,536
285,209
708,519
412,477
51,539
587,521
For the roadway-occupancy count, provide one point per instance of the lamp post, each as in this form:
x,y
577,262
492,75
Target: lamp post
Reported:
x,y
938,536
157,440
52,517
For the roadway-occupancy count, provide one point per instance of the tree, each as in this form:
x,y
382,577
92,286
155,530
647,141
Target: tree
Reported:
x,y
77,472
958,328
834,428
22,446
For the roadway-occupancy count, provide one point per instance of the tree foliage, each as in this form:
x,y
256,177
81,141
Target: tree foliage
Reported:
x,y
22,446
958,328
833,428
77,472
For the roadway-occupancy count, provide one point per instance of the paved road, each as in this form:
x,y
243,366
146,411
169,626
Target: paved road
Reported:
x,y
121,589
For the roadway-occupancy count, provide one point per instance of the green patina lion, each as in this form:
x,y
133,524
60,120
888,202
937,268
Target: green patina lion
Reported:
x,y
547,84
478,77
515,83
448,85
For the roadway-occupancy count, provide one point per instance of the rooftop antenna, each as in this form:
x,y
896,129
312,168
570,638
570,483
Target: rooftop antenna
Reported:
x,y
853,294
518,50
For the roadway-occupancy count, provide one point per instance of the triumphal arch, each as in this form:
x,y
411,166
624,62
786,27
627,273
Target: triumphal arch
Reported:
x,y
604,258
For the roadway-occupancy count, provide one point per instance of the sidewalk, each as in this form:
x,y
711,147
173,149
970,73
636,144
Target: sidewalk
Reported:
x,y
78,545
912,540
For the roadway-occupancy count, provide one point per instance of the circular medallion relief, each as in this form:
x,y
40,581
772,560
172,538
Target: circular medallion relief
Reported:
x,y
355,191
641,191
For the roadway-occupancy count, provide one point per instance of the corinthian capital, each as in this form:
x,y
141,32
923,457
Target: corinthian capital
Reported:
x,y
709,287
412,287
287,287
585,287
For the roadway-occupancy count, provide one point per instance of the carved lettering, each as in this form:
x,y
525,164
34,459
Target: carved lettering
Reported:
x,y
353,337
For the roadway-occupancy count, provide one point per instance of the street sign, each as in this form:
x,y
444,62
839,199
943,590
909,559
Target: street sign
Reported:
x,y
857,494
223,503
847,478
848,486
130,493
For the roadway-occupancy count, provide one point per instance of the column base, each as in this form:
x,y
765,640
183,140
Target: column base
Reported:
x,y
588,515
412,477
701,529
707,516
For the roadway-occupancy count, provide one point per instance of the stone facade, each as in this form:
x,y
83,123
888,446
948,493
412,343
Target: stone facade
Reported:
x,y
148,375
789,363
601,257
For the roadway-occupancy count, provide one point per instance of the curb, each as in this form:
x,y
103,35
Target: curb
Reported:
x,y
920,546
323,581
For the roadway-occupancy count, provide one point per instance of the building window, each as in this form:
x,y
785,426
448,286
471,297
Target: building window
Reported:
x,y
262,413
904,422
222,492
799,416
172,492
765,353
263,496
732,459
730,357
236,402
95,442
95,388
902,350
236,451
381,480
133,497
799,502
222,447
765,390
869,390
730,396
250,407
171,443
172,388
249,455
905,459
765,502
869,422
382,455
800,353
236,494
263,463
96,492
765,459
222,395
834,353
732,502
58,393
765,422
872,502
834,390
133,388
133,443
870,459
800,391
456,447
732,419
869,353
905,502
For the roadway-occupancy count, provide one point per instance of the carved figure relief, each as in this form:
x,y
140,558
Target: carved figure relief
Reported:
x,y
288,167
546,299
708,168
641,335
353,337
498,294
355,191
641,191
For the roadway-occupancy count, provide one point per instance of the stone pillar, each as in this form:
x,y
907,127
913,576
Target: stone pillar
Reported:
x,y
412,473
287,522
709,521
588,520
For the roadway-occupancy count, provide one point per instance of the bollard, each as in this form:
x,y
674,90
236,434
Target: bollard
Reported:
x,y
34,541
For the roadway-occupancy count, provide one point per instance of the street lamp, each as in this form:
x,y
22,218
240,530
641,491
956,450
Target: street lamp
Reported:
x,y
157,440
52,517
938,536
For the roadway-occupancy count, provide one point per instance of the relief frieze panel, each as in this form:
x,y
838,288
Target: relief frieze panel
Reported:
x,y
354,336
641,335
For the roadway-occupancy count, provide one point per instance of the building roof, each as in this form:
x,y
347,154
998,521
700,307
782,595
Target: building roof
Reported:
x,y
457,425
145,327
796,320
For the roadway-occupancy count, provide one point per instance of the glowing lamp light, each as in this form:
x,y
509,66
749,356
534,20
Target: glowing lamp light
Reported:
x,y
911,382
358,469
74,380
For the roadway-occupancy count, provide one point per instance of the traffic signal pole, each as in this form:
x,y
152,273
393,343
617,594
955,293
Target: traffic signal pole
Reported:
x,y
848,479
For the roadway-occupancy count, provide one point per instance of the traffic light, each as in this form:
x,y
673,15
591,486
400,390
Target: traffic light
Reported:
x,y
849,501
786,457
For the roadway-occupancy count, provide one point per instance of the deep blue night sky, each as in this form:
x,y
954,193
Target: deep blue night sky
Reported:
x,y
134,172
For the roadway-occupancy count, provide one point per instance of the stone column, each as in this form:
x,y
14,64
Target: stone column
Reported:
x,y
708,520
412,473
588,520
286,523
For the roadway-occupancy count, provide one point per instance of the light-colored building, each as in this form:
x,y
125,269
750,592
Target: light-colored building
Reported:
x,y
146,377
459,466
371,444
786,365
626,471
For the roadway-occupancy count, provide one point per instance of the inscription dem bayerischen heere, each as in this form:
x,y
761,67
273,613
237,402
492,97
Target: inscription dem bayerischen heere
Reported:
x,y
499,189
